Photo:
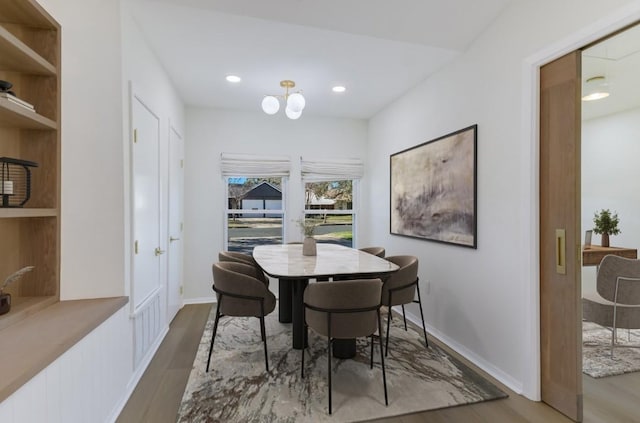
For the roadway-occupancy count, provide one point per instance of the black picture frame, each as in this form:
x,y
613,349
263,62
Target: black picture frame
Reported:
x,y
433,189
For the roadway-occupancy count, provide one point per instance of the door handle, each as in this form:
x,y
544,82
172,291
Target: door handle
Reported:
x,y
171,239
158,251
561,256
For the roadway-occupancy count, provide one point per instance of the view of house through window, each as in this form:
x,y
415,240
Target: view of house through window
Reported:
x,y
254,213
330,206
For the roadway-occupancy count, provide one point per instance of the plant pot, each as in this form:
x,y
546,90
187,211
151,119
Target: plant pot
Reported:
x,y
5,303
309,247
605,240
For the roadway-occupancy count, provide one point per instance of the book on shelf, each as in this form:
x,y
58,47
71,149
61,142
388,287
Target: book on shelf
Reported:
x,y
18,101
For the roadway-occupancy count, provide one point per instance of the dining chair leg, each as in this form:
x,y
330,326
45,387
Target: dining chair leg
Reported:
x,y
304,328
404,317
424,329
371,365
387,339
264,335
329,356
388,325
215,329
384,375
614,332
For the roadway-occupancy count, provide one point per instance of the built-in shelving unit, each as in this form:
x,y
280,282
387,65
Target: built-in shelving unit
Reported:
x,y
30,59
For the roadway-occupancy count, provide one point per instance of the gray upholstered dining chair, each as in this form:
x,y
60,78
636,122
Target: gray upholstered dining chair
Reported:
x,y
345,310
616,304
237,257
240,294
376,251
400,289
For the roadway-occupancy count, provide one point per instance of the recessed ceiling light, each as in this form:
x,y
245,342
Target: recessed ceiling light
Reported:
x,y
233,78
339,89
595,88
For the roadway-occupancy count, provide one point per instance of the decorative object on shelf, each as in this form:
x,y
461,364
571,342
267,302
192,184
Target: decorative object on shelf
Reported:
x,y
295,102
587,239
18,101
606,223
5,299
309,243
433,189
15,181
5,87
5,92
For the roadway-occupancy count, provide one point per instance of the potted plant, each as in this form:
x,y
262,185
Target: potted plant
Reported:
x,y
5,299
606,223
308,228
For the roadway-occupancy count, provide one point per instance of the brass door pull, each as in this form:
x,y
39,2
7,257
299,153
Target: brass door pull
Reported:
x,y
561,262
171,239
158,251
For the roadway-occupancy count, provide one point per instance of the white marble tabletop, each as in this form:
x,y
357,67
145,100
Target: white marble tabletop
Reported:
x,y
287,262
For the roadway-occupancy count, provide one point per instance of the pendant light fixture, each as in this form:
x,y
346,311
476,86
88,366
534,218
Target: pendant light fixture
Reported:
x,y
295,102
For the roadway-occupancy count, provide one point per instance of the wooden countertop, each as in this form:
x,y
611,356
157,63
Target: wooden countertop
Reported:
x,y
593,255
30,345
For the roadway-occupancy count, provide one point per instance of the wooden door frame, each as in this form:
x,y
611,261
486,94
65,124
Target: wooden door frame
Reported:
x,y
530,172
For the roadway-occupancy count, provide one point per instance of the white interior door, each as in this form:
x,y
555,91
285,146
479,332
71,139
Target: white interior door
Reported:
x,y
145,174
175,243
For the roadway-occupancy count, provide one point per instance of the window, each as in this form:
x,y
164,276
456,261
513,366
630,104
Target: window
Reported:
x,y
255,200
255,212
329,205
330,196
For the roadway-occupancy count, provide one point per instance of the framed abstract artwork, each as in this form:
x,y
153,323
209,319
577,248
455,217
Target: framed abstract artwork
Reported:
x,y
434,189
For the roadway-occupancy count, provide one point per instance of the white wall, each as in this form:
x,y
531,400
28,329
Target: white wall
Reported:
x,y
478,300
610,177
148,78
213,131
92,263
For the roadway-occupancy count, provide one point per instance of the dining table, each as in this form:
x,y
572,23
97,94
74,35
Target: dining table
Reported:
x,y
295,271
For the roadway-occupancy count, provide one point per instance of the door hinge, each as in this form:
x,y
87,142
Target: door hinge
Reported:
x,y
135,247
181,163
181,290
135,135
181,226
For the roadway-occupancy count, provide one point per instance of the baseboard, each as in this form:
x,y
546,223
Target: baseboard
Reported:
x,y
137,375
200,300
478,361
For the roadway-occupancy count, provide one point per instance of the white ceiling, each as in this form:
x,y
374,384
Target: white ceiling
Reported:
x,y
378,49
618,60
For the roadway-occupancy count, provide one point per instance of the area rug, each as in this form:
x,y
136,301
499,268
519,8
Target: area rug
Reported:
x,y
238,389
596,351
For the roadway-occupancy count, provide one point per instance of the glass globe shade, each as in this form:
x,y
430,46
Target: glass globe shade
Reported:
x,y
270,105
291,114
296,102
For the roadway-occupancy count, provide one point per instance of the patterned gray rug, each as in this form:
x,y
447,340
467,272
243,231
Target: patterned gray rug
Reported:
x,y
596,351
238,389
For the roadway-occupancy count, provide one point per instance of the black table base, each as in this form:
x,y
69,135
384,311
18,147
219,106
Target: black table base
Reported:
x,y
344,348
299,332
285,295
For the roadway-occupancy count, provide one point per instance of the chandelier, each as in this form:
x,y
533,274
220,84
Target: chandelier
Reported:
x,y
295,101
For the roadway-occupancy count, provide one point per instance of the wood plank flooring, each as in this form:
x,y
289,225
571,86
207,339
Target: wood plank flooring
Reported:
x,y
158,394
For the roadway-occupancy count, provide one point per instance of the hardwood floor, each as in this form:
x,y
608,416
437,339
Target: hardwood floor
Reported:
x,y
158,394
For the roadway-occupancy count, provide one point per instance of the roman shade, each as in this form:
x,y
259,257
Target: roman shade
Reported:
x,y
250,165
331,169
